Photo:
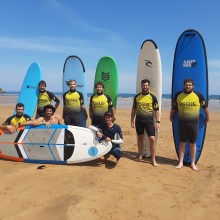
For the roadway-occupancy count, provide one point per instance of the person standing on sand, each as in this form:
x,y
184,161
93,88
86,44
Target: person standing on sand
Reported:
x,y
144,106
73,105
187,103
99,104
44,98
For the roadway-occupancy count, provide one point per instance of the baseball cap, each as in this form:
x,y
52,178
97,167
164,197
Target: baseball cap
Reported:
x,y
108,113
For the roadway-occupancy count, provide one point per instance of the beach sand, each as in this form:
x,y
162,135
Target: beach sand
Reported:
x,y
130,190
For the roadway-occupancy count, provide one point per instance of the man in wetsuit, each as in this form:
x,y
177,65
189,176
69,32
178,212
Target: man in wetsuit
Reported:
x,y
188,103
99,104
144,106
108,132
19,117
45,97
73,105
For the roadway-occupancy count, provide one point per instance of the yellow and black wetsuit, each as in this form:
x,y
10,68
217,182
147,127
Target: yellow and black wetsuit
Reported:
x,y
72,102
99,105
16,120
44,99
188,106
145,105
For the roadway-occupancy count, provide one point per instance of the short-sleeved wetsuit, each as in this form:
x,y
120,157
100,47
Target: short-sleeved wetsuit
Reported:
x,y
100,104
72,101
17,120
188,106
45,98
145,105
111,132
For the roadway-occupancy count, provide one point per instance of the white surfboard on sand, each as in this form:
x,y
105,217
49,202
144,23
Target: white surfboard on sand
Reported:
x,y
149,67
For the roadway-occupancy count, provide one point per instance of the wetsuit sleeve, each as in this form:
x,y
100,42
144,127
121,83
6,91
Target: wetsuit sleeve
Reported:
x,y
53,97
119,131
110,103
202,100
174,101
135,101
27,117
81,98
155,102
90,102
8,120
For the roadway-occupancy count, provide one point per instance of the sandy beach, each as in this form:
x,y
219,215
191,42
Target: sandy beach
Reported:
x,y
130,190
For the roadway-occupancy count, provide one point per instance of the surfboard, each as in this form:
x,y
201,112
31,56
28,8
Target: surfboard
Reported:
x,y
107,73
74,69
59,144
29,89
190,61
149,67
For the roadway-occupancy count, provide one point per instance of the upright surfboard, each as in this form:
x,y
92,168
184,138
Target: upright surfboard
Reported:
x,y
149,67
107,73
74,69
29,90
59,144
190,61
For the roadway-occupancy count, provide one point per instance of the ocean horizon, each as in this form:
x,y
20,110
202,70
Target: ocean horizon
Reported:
x,y
125,100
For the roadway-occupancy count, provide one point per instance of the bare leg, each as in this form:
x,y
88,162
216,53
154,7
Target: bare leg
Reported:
x,y
193,156
153,151
140,146
182,149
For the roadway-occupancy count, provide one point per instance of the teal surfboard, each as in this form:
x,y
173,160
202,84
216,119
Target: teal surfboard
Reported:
x,y
190,61
107,73
74,69
29,90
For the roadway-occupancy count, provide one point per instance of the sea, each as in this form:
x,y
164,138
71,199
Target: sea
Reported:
x,y
125,100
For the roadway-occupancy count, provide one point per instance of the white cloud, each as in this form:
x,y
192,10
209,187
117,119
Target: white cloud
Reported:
x,y
214,63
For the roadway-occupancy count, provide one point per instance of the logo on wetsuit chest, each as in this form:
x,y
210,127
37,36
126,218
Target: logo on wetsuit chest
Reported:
x,y
187,104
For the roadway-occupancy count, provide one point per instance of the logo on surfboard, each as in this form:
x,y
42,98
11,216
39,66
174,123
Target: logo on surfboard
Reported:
x,y
105,76
148,63
189,63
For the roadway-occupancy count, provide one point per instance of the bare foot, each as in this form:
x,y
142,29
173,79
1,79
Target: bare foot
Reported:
x,y
179,166
155,164
139,158
117,159
193,166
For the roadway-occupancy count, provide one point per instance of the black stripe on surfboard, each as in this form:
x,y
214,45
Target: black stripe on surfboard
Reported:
x,y
16,145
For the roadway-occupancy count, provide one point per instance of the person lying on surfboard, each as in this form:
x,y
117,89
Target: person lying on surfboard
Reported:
x,y
48,119
17,119
109,131
187,103
145,104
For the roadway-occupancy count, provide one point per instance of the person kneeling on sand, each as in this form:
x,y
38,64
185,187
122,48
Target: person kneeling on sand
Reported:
x,y
48,119
109,131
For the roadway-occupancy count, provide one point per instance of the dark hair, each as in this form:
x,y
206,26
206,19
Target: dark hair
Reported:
x,y
42,82
188,80
99,83
108,113
19,104
49,107
145,81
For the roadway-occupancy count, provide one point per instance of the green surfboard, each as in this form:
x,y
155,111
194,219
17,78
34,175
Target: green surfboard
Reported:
x,y
107,73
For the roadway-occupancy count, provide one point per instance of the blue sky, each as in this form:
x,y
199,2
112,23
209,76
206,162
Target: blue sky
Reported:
x,y
48,31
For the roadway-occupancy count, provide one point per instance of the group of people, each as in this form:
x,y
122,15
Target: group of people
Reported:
x,y
146,108
144,116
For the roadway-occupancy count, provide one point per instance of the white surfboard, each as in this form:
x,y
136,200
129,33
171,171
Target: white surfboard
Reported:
x,y
149,67
59,144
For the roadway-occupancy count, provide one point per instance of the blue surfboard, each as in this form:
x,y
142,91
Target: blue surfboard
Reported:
x,y
29,90
190,61
74,69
